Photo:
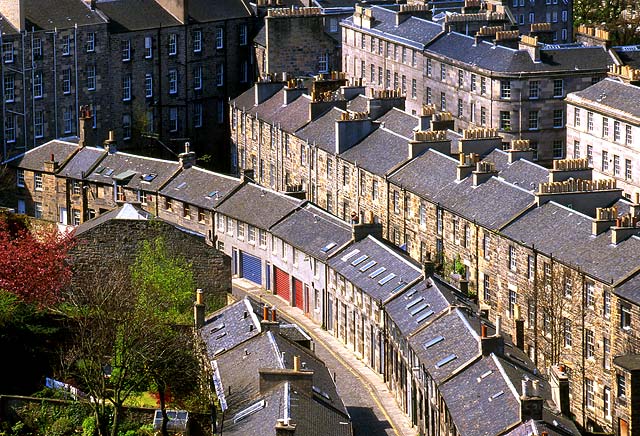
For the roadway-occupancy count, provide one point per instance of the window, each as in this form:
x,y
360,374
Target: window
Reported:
x,y
546,323
513,300
66,81
126,126
621,385
566,324
388,79
197,78
125,47
36,47
605,127
323,63
219,38
443,72
473,82
345,175
66,45
240,230
20,178
589,392
148,121
483,85
173,44
443,102
219,74
558,118
606,398
148,85
91,78
429,67
627,169
568,287
197,41
22,207
512,258
589,347
486,246
403,85
126,87
460,107
547,274
558,88
75,217
628,137
10,128
37,181
173,81
606,302
505,89
37,209
616,131
38,123
589,294
534,89
625,316
396,201
91,42
428,92
37,84
576,117
531,267
505,120
422,214
590,121
173,119
374,190
9,88
243,34
329,202
483,116
558,148
590,155
197,115
67,119
460,78
616,165
533,120
486,287
605,160
7,52
148,47
414,88
576,149
606,353
262,234
251,233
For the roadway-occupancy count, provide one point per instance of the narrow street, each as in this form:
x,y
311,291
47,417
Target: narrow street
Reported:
x,y
372,408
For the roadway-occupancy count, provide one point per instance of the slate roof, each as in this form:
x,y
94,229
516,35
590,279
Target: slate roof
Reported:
x,y
132,15
35,158
566,234
200,187
413,31
436,171
229,327
322,131
261,37
80,163
218,10
399,270
120,163
399,122
523,173
462,48
358,104
258,206
612,95
290,117
446,345
629,55
127,211
630,289
481,400
379,152
417,305
59,14
311,229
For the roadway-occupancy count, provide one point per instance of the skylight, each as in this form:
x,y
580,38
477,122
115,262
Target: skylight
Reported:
x,y
367,265
249,411
414,302
349,255
359,260
433,341
386,279
99,170
181,185
328,247
496,395
217,327
400,286
418,309
450,358
108,172
320,392
377,272
424,316
149,177
212,194
410,294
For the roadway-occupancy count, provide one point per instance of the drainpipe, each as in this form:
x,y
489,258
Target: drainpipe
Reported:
x,y
33,100
75,62
4,105
55,80
24,100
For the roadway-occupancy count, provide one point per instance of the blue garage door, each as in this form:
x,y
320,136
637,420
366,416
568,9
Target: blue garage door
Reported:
x,y
252,268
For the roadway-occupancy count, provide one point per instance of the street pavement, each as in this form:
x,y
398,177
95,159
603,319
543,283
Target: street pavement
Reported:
x,y
372,407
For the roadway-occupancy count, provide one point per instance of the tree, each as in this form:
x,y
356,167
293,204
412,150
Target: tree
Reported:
x,y
33,261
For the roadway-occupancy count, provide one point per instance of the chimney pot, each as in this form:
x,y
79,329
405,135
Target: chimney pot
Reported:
x,y
484,330
274,317
199,294
296,363
265,313
498,324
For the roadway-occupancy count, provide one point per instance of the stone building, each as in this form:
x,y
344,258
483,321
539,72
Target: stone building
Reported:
x,y
494,79
603,126
160,68
115,237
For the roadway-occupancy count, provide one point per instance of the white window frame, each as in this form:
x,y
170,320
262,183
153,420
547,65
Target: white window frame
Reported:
x,y
37,181
37,84
173,44
126,87
197,115
197,41
197,78
10,128
173,82
126,126
91,77
66,45
219,38
91,42
7,52
243,34
125,46
173,119
9,88
219,74
148,47
67,119
38,123
148,85
20,178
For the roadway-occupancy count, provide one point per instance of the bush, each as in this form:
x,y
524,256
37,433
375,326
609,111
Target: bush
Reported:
x,y
89,426
63,426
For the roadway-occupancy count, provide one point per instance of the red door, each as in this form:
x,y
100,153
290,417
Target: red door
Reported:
x,y
298,287
282,284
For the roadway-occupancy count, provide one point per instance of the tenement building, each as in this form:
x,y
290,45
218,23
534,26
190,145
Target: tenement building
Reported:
x,y
161,68
603,126
494,78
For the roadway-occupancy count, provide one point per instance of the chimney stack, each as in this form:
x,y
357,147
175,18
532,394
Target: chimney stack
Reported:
x,y
52,165
85,120
362,230
110,145
269,320
530,402
198,310
465,166
491,344
518,338
351,128
285,428
188,158
559,383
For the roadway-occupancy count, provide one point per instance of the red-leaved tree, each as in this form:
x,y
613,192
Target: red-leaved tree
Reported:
x,y
33,262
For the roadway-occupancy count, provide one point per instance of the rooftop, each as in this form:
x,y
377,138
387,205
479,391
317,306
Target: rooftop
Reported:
x,y
200,187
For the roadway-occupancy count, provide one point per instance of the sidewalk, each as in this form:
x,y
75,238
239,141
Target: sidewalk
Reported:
x,y
372,381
